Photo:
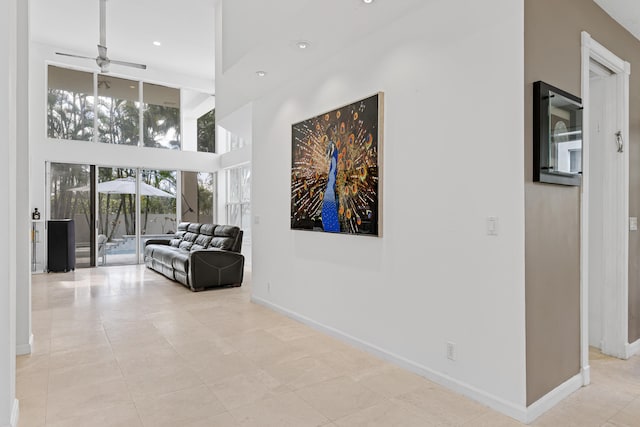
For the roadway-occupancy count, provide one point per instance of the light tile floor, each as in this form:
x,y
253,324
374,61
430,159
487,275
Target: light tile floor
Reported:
x,y
122,346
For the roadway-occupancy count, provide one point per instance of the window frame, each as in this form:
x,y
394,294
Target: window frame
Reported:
x,y
140,102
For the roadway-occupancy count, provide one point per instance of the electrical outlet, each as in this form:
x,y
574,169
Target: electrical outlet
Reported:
x,y
633,223
451,351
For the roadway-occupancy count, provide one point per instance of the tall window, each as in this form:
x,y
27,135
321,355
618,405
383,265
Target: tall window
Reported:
x,y
198,202
161,116
118,111
158,201
207,132
73,112
239,197
70,104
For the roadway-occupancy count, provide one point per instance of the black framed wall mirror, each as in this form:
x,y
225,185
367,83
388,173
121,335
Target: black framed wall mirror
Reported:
x,y
557,136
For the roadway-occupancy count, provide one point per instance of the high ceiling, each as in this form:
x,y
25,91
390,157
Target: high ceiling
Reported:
x,y
266,40
626,12
185,28
263,38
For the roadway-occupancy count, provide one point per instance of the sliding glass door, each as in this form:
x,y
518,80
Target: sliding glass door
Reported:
x,y
71,198
157,204
116,216
117,209
198,197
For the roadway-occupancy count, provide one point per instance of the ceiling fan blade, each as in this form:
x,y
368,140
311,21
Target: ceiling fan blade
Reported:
x,y
103,23
74,56
129,64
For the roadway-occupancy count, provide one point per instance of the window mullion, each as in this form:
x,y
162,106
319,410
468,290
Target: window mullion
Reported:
x,y
141,112
95,108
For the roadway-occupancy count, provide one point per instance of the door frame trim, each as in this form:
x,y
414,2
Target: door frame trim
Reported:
x,y
591,49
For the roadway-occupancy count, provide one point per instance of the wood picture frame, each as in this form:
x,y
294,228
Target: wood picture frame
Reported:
x,y
336,169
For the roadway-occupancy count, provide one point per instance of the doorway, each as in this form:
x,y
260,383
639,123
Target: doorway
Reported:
x,y
605,194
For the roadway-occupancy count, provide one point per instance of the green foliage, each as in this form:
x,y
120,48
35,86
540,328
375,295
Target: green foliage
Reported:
x,y
207,132
161,122
70,115
65,202
118,121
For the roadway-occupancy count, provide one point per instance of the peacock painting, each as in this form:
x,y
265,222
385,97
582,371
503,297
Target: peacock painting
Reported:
x,y
335,169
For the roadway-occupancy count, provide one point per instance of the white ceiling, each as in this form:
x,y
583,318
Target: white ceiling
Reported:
x,y
626,12
185,28
266,39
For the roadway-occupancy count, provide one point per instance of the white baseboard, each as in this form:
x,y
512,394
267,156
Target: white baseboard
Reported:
x,y
22,349
586,375
513,410
15,413
633,349
554,397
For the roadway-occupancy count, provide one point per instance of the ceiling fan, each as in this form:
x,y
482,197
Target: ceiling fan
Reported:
x,y
102,59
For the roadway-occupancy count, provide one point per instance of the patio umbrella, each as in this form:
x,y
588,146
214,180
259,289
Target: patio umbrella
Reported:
x,y
125,186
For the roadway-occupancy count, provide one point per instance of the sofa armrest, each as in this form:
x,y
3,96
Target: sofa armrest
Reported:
x,y
215,267
158,242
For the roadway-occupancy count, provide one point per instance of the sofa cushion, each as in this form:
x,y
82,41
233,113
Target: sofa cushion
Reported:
x,y
207,229
194,228
222,243
181,261
226,231
224,237
203,240
162,253
186,246
182,229
175,242
189,237
148,251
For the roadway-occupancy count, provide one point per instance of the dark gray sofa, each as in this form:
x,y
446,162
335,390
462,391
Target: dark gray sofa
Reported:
x,y
199,256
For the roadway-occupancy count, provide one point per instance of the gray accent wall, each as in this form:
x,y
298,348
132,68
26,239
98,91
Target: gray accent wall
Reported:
x,y
552,212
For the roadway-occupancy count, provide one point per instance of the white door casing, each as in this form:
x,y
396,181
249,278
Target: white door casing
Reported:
x,y
612,170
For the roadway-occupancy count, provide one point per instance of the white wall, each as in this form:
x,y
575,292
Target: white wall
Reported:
x,y
8,146
453,156
23,223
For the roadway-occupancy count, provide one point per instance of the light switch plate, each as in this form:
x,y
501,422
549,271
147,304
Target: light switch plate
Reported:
x,y
633,223
492,226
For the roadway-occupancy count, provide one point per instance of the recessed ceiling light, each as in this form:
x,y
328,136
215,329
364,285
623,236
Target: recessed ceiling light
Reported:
x,y
261,73
367,1
303,44
132,87
157,43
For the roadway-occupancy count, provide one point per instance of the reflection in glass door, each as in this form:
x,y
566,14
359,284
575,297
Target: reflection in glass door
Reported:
x,y
116,240
239,204
70,192
198,197
157,204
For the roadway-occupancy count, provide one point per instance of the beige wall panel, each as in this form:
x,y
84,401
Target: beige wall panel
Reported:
x,y
553,54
